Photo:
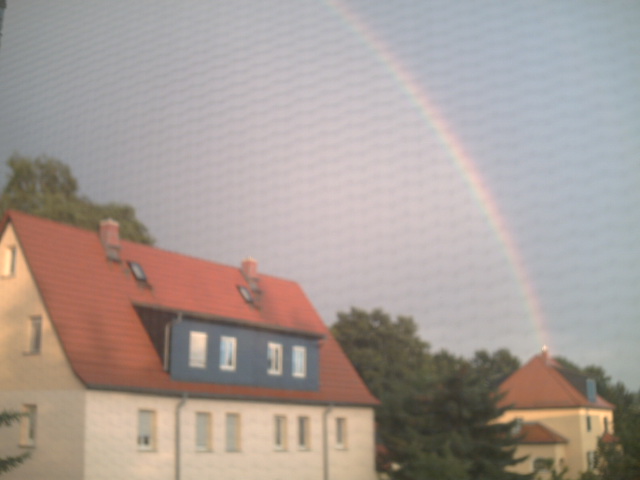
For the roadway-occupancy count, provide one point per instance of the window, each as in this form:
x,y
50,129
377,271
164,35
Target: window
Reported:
x,y
233,432
227,353
146,429
606,424
588,423
28,426
591,460
197,349
203,432
274,359
138,271
34,336
303,433
280,432
341,432
9,261
299,361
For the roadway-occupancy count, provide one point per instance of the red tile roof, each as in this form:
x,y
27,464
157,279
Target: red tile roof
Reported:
x,y
536,433
90,301
541,384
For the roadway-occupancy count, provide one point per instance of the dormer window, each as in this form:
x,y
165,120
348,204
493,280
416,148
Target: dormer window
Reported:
x,y
299,362
274,358
138,271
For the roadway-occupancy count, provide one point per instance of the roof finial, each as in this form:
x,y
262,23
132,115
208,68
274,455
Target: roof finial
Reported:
x,y
545,353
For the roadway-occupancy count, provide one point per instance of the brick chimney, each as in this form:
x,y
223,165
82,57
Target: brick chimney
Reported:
x,y
249,269
110,238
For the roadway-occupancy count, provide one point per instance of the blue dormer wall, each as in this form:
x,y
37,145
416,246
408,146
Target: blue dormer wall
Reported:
x,y
251,357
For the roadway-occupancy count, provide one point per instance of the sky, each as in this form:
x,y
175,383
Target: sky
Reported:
x,y
473,165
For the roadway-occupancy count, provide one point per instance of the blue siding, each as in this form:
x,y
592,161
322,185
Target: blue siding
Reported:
x,y
251,357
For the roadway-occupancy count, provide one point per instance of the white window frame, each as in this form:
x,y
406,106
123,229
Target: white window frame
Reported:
x,y
274,358
280,433
34,335
228,345
232,432
198,349
146,438
28,425
203,432
299,361
341,433
304,433
10,261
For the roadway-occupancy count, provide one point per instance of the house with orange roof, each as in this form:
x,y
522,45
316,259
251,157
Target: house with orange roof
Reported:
x,y
129,361
560,416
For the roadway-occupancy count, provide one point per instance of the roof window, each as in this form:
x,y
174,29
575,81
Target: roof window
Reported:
x,y
138,271
246,294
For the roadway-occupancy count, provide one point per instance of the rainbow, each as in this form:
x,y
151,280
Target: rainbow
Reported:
x,y
461,159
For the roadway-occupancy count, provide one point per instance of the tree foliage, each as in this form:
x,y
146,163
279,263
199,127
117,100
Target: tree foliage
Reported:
x,y
437,413
46,187
8,463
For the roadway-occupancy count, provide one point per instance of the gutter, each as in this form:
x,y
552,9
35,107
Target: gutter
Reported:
x,y
179,406
325,442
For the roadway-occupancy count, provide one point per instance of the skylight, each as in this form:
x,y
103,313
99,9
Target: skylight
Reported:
x,y
246,294
138,271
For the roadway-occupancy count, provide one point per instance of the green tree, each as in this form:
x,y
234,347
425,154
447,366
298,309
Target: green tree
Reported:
x,y
46,187
437,413
10,462
457,419
494,367
393,362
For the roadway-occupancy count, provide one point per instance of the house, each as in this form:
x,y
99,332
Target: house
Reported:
x,y
133,362
560,416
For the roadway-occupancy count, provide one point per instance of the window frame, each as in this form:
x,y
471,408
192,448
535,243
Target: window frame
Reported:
x,y
34,336
304,433
280,433
299,361
29,425
341,433
9,261
150,435
197,336
228,364
232,440
274,358
203,431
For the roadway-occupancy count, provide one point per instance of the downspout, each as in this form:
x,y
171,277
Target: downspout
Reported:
x,y
325,442
179,406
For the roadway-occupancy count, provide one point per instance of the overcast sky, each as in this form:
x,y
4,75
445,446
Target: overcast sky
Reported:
x,y
298,132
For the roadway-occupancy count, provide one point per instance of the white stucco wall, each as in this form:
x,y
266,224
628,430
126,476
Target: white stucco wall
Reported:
x,y
43,379
112,452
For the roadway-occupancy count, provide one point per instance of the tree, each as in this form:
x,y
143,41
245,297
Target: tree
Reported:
x,y
46,187
9,463
494,367
392,361
457,419
437,413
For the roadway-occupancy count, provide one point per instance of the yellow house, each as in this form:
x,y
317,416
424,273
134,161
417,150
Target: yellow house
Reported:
x,y
131,362
560,416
